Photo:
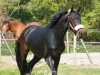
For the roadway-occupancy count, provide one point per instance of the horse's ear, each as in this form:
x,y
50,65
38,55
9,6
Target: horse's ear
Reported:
x,y
5,22
78,10
72,9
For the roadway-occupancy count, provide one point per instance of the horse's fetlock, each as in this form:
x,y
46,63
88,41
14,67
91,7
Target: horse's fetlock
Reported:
x,y
54,72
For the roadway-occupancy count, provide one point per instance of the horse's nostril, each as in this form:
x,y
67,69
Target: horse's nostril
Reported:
x,y
81,34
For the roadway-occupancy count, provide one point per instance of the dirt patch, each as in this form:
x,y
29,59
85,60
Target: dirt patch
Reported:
x,y
6,62
81,60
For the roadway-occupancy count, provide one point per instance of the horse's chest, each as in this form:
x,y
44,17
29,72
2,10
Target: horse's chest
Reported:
x,y
58,49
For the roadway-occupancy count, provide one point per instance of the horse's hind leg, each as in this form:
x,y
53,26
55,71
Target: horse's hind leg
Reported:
x,y
33,62
21,54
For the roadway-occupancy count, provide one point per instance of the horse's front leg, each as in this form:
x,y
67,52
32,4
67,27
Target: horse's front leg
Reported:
x,y
56,62
50,63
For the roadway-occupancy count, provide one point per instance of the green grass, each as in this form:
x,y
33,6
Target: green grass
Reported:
x,y
9,72
63,70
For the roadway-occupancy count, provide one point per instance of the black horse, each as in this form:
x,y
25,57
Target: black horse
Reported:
x,y
47,42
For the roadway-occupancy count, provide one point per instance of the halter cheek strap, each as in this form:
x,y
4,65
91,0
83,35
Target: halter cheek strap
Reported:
x,y
78,27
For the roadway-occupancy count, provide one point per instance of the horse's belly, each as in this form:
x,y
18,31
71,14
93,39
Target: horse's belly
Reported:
x,y
35,42
38,52
37,48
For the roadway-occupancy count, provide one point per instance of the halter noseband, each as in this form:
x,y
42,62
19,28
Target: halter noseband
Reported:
x,y
78,27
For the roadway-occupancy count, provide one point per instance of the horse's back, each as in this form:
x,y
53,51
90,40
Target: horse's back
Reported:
x,y
33,34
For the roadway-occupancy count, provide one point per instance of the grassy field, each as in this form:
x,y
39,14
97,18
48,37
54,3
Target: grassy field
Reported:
x,y
44,70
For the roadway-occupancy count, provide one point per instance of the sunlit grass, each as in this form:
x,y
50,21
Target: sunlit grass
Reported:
x,y
63,70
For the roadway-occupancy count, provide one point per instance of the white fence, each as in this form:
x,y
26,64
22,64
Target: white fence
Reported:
x,y
71,46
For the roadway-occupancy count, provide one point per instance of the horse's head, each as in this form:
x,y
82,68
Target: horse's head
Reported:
x,y
74,20
5,27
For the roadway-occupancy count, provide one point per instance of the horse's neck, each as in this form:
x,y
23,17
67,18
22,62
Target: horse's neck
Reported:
x,y
14,26
60,30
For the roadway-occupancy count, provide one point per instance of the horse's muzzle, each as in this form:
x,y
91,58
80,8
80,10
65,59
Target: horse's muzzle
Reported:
x,y
80,32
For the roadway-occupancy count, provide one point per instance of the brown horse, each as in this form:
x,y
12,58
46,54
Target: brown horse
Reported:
x,y
15,27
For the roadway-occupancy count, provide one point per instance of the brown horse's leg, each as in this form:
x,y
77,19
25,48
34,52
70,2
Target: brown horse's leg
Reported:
x,y
33,62
21,54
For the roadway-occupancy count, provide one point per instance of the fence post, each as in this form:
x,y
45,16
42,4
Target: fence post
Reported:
x,y
86,50
74,48
8,46
67,43
0,44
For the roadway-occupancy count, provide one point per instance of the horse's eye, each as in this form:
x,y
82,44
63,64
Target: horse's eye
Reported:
x,y
72,18
66,19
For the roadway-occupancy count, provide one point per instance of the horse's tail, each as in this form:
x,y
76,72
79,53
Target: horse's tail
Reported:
x,y
17,50
18,55
22,64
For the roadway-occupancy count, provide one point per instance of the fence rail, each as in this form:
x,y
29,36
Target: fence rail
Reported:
x,y
91,46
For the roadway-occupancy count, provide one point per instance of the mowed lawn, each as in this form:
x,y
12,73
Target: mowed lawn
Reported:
x,y
44,70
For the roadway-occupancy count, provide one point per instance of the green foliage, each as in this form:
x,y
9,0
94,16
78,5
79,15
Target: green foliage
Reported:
x,y
22,14
92,36
91,18
42,10
22,2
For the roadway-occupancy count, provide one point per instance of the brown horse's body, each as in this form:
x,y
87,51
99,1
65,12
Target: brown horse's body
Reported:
x,y
15,27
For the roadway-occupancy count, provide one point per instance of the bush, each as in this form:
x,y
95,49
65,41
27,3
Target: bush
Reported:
x,y
92,36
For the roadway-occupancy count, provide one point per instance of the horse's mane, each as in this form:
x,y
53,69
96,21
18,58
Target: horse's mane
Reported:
x,y
56,18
